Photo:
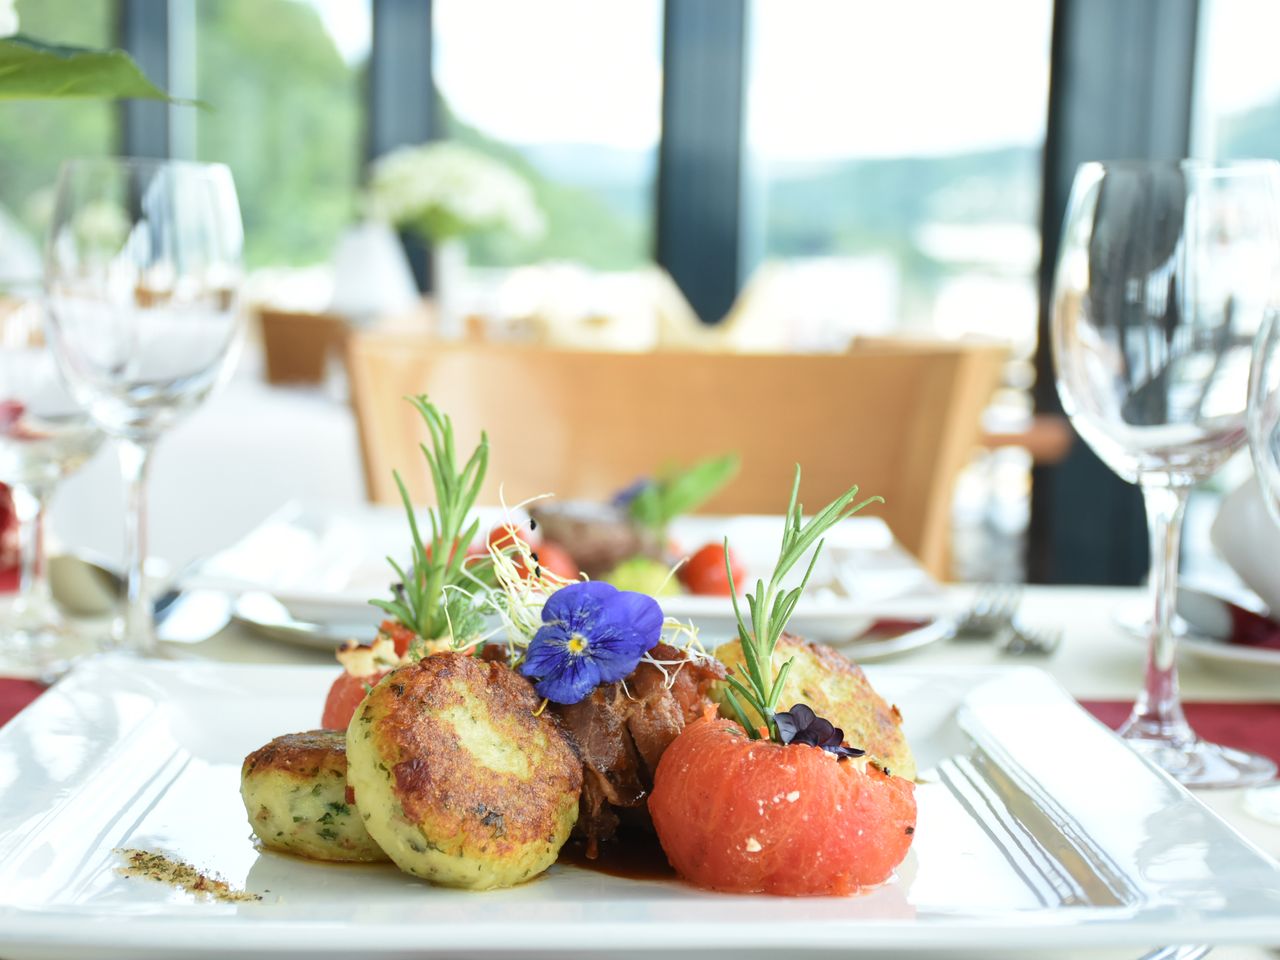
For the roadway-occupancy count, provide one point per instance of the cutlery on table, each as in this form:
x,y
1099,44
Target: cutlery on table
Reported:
x,y
990,614
993,615
88,587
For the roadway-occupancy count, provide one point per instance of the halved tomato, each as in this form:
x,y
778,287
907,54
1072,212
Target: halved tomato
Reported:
x,y
705,572
750,816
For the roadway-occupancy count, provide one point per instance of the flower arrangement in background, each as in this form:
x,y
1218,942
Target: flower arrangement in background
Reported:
x,y
444,191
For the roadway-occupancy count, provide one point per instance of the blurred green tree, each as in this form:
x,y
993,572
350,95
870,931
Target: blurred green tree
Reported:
x,y
287,118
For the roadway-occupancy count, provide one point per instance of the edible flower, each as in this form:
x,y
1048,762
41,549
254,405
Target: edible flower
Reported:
x,y
623,498
801,725
591,633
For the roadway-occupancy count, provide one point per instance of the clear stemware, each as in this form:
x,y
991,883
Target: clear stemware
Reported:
x,y
1165,273
1264,445
44,435
142,266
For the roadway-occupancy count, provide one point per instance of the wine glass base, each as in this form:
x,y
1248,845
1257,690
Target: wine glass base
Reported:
x,y
34,656
39,644
1196,763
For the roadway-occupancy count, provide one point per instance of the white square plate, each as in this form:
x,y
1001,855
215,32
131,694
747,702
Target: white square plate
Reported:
x,y
324,563
1038,831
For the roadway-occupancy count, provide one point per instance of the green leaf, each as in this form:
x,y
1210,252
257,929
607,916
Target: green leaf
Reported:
x,y
681,491
32,70
690,489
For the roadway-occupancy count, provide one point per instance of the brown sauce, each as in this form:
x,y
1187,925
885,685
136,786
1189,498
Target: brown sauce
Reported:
x,y
633,856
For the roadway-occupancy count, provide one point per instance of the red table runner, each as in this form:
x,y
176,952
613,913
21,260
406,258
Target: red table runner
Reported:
x,y
1245,726
16,694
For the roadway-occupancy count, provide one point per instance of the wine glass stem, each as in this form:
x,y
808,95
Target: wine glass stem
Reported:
x,y
34,600
139,625
1157,714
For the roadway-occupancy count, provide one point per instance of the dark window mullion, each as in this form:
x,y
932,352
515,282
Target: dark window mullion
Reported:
x,y
1121,88
402,104
700,158
143,31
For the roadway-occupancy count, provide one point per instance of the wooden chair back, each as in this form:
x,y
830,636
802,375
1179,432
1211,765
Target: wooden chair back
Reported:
x,y
899,421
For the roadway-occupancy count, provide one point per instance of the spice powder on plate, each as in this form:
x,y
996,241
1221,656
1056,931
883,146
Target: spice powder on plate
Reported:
x,y
178,873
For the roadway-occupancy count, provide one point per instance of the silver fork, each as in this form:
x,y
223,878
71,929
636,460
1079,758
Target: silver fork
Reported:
x,y
1025,640
991,613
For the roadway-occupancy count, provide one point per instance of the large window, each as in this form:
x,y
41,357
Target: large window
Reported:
x,y
284,81
1238,91
570,93
894,159
36,136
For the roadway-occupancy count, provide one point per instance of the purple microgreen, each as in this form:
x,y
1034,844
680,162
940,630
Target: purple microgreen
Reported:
x,y
800,725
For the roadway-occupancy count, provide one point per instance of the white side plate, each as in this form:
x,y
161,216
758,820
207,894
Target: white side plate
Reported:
x,y
1038,831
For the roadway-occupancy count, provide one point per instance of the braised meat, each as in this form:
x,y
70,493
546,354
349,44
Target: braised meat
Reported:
x,y
622,730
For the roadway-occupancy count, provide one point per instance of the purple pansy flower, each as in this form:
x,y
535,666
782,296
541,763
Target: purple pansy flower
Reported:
x,y
801,725
592,633
622,499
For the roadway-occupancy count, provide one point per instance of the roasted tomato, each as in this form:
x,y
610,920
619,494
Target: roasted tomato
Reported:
x,y
345,695
505,536
749,816
399,634
705,572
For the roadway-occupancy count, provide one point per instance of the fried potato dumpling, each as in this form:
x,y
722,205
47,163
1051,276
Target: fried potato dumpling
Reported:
x,y
837,689
459,782
295,792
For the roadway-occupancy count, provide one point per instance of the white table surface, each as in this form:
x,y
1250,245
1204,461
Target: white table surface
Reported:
x,y
1096,661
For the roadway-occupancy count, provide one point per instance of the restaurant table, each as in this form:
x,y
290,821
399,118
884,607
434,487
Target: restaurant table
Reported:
x,y
1098,660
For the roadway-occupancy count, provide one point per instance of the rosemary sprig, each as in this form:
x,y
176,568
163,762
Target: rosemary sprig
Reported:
x,y
771,607
427,601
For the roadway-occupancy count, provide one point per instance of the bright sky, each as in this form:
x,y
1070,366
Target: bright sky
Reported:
x,y
554,71
1241,69
862,78
349,23
829,78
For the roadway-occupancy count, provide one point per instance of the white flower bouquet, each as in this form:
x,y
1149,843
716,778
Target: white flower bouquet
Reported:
x,y
445,190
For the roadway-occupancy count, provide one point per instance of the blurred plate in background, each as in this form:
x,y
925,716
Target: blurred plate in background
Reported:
x,y
323,564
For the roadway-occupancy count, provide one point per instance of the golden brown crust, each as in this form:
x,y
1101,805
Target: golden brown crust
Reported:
x,y
302,755
488,794
869,721
837,689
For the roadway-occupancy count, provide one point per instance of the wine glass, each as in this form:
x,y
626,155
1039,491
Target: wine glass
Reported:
x,y
1164,275
1264,444
142,266
44,435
